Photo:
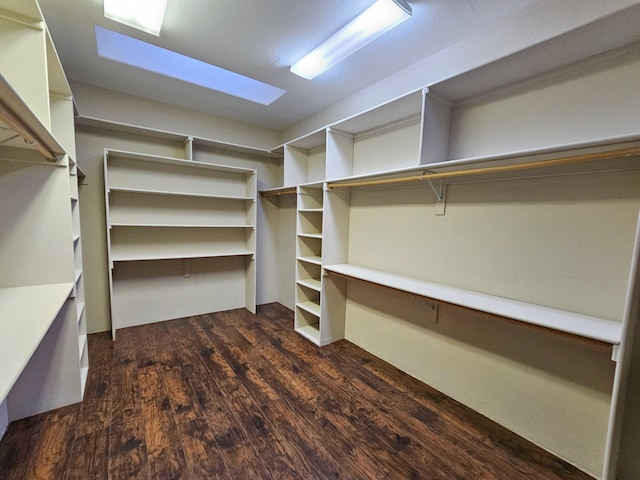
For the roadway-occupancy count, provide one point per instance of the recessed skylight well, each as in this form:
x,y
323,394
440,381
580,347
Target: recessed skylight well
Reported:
x,y
136,53
376,20
145,15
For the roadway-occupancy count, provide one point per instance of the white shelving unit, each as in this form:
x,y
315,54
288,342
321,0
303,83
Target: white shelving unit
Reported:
x,y
485,128
178,226
309,262
43,362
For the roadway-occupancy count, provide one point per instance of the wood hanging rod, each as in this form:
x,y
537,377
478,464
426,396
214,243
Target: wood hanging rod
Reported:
x,y
282,191
625,152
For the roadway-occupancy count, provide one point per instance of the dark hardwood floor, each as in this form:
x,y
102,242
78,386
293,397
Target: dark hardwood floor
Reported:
x,y
237,396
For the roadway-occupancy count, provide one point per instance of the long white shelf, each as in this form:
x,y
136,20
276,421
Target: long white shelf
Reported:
x,y
176,225
26,313
310,235
178,255
177,162
143,191
602,330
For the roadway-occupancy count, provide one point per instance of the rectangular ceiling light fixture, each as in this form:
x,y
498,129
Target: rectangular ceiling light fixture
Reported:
x,y
146,56
379,18
145,15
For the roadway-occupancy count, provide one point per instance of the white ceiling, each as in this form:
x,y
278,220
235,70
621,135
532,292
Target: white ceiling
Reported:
x,y
261,39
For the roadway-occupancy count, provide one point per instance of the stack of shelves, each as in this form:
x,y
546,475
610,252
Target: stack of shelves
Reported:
x,y
164,210
309,261
43,345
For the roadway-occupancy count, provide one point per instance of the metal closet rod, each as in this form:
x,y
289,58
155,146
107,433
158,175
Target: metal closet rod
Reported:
x,y
625,152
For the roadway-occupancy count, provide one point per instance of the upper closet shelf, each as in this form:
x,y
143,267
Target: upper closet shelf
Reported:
x,y
143,191
155,159
593,328
20,128
544,162
26,313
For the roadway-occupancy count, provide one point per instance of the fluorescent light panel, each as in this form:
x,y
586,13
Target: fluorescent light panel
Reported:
x,y
376,20
145,15
136,53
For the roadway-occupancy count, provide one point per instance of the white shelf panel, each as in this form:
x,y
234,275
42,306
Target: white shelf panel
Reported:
x,y
143,191
312,307
603,330
313,260
310,332
312,210
312,283
179,255
26,313
175,225
310,235
178,162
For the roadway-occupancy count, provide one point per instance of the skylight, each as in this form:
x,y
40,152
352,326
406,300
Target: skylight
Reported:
x,y
145,15
136,53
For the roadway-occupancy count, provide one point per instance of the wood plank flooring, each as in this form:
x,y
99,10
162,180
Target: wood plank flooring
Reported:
x,y
236,396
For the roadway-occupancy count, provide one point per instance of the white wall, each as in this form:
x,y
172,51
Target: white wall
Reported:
x,y
563,241
117,107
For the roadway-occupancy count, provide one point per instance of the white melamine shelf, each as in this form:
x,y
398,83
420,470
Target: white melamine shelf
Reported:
x,y
26,313
312,210
314,260
311,332
143,191
176,225
312,307
178,255
178,162
602,330
312,283
310,235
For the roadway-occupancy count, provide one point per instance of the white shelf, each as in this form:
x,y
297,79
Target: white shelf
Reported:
x,y
310,210
175,225
312,283
143,191
179,255
313,260
26,313
310,332
310,235
311,307
602,330
178,162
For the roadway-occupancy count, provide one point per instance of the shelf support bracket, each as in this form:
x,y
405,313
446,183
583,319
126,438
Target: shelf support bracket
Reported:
x,y
441,196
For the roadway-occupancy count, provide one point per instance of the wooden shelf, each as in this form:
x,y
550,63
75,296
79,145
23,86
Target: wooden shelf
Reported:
x,y
26,313
593,328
